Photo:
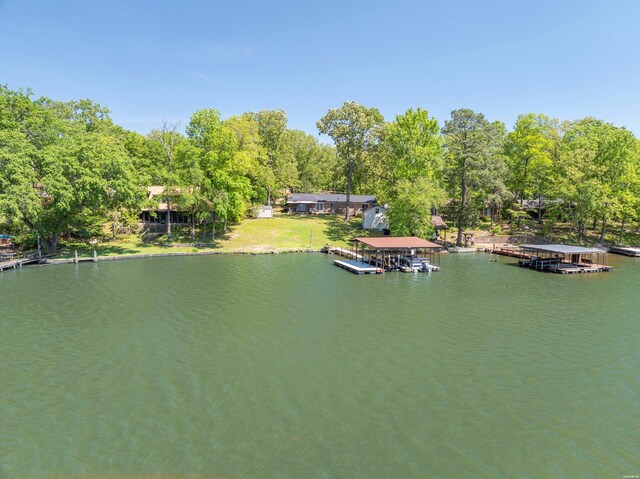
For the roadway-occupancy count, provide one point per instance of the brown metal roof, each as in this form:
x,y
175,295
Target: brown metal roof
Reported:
x,y
397,242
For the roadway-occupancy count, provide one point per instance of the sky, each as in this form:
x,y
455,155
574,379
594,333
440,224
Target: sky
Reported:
x,y
150,61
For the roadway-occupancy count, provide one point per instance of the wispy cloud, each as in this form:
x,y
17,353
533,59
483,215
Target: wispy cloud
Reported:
x,y
230,51
203,76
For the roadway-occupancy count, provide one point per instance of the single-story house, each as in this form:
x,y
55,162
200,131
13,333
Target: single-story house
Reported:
x,y
156,216
374,218
319,203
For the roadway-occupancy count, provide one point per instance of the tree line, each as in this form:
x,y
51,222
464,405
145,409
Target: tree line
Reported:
x,y
67,170
580,172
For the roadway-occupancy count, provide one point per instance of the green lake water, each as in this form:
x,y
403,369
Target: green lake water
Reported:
x,y
284,366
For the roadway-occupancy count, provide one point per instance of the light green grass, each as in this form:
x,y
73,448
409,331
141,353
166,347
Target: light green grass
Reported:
x,y
290,232
281,233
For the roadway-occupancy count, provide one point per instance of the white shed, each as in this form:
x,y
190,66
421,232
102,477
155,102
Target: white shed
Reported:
x,y
264,211
375,218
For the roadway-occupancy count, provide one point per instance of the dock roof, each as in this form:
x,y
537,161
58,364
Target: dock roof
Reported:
x,y
397,242
561,248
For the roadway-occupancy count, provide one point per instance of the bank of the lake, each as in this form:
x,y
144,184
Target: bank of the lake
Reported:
x,y
286,366
281,234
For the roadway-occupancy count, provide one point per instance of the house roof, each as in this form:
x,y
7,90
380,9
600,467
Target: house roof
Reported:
x,y
397,242
330,197
560,248
438,222
155,190
380,207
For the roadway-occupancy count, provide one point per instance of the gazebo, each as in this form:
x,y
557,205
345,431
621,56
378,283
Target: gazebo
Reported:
x,y
439,225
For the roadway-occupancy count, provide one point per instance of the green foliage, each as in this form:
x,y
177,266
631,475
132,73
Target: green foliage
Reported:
x,y
277,164
410,210
316,163
355,131
64,166
475,167
213,169
529,149
413,169
66,170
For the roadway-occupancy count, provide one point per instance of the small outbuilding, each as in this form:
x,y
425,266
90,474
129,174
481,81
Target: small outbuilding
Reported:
x,y
375,218
264,211
5,240
439,225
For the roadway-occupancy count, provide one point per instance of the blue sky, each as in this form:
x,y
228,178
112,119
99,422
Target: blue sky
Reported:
x,y
154,60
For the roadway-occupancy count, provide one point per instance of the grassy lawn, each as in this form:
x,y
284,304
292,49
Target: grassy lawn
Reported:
x,y
281,233
290,232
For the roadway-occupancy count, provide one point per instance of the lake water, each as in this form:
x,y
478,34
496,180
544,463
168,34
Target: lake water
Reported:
x,y
285,366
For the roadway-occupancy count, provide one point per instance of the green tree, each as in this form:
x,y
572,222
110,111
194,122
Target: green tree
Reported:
x,y
224,188
278,167
597,173
354,130
168,138
529,149
316,163
64,166
414,166
475,167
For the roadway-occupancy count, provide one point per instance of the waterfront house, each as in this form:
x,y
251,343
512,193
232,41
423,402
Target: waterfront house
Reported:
x,y
327,203
155,217
374,218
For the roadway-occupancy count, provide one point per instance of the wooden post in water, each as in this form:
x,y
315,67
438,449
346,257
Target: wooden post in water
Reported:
x,y
75,256
95,256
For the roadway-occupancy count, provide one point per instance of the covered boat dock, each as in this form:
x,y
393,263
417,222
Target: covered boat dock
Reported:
x,y
399,253
563,259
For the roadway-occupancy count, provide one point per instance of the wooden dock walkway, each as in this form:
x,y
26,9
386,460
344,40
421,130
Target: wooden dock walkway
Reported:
x,y
344,252
20,262
357,267
554,266
511,252
625,250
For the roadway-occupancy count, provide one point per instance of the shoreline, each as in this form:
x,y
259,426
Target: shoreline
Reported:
x,y
86,259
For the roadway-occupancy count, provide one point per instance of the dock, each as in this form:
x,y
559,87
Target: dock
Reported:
x,y
564,259
511,252
347,253
20,262
625,250
555,266
357,267
389,253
